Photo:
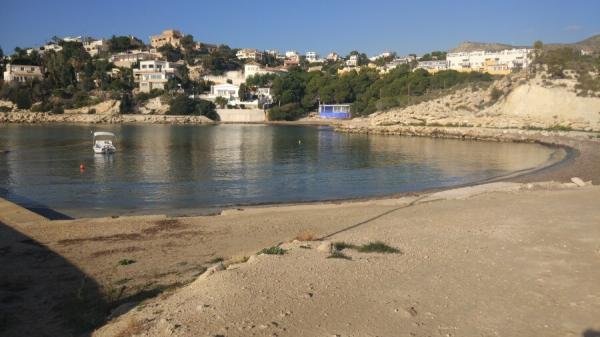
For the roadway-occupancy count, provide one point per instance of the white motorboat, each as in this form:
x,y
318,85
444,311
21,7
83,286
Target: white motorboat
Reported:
x,y
104,142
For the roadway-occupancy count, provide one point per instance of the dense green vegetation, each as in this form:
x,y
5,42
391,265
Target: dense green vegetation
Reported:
x,y
367,91
74,79
183,105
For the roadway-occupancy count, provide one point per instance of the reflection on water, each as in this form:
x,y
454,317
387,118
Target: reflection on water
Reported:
x,y
169,167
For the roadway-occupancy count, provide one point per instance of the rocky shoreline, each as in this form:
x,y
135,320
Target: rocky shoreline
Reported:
x,y
44,117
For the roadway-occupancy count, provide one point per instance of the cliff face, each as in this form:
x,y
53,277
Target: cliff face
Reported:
x,y
523,104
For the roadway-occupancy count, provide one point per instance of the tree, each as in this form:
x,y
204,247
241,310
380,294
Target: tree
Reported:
x,y
23,99
187,42
183,105
126,105
221,101
538,48
171,53
117,44
243,92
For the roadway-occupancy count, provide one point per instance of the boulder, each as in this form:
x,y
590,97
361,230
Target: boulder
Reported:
x,y
577,181
325,247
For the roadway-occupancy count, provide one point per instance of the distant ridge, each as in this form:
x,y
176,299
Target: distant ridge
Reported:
x,y
591,44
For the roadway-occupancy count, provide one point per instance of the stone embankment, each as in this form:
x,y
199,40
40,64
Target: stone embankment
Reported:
x,y
44,117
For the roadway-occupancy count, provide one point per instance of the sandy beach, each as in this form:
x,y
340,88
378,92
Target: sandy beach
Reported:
x,y
503,259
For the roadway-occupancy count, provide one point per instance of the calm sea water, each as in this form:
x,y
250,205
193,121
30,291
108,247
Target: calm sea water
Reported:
x,y
185,169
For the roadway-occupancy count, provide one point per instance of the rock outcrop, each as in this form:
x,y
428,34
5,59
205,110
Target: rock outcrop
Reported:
x,y
507,103
108,107
153,106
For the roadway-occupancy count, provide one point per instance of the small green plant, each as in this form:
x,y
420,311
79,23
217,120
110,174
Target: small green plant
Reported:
x,y
343,245
378,247
558,127
126,262
273,251
336,254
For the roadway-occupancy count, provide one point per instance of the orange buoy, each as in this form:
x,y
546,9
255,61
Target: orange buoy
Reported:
x,y
81,167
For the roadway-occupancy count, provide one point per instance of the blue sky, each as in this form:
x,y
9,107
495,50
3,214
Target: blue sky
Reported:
x,y
322,25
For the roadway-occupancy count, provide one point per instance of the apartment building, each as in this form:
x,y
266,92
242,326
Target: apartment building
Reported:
x,y
94,47
333,56
22,73
249,54
154,74
433,66
498,63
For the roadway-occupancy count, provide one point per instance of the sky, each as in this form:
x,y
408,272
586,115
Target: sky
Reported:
x,y
323,25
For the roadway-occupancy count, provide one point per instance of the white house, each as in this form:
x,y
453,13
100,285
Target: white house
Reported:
x,y
433,66
253,68
249,54
127,59
226,90
22,73
352,61
500,62
50,46
154,74
333,56
312,57
382,55
291,53
93,47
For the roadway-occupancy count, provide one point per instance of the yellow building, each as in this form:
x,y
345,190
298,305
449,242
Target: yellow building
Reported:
x,y
169,36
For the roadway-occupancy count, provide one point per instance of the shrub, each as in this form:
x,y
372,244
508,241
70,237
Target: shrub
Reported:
x,y
58,110
287,112
80,99
183,105
496,94
22,99
377,247
273,251
126,262
41,107
339,255
343,245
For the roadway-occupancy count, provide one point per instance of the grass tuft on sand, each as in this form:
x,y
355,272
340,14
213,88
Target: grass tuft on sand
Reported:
x,y
336,254
273,251
343,245
371,247
378,247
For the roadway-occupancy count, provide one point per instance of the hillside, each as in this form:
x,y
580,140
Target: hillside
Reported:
x,y
523,104
591,43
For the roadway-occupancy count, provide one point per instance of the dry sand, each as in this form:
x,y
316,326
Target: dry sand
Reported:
x,y
475,263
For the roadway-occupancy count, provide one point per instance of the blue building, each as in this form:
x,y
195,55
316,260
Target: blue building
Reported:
x,y
334,111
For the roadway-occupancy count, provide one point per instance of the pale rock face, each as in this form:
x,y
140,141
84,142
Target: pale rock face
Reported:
x,y
109,107
153,106
523,104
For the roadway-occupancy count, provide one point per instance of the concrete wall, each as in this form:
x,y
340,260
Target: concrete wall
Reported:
x,y
241,115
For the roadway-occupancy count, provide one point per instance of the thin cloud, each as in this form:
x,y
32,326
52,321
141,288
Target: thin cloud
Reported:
x,y
573,28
